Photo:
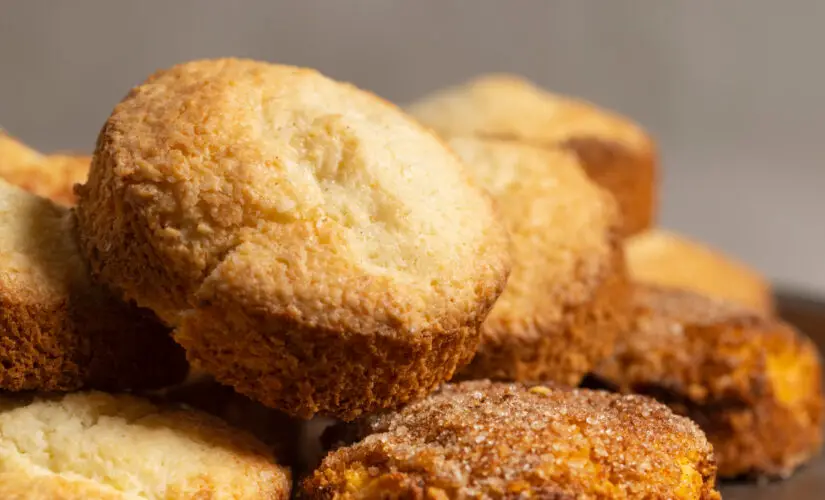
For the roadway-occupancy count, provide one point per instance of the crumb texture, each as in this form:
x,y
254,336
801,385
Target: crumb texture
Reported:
x,y
752,383
258,206
95,445
566,272
58,330
493,440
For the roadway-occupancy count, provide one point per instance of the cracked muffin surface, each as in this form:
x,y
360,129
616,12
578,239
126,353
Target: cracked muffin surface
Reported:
x,y
95,445
288,225
565,300
483,439
614,151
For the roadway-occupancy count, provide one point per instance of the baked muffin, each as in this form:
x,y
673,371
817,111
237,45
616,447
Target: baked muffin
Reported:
x,y
752,383
58,330
614,151
96,445
493,440
661,257
50,176
315,248
566,298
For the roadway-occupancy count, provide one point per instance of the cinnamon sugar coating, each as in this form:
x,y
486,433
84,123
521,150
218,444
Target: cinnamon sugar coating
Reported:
x,y
483,439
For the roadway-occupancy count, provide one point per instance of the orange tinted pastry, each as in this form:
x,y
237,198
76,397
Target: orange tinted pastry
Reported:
x,y
752,383
50,176
316,248
614,151
493,440
660,257
565,300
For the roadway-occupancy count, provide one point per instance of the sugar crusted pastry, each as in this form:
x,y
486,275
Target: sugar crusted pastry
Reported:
x,y
118,447
316,248
494,440
752,383
661,257
58,330
50,176
614,151
566,299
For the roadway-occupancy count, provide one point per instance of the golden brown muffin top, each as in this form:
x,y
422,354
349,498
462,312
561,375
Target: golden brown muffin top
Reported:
x,y
496,440
96,445
561,224
709,351
660,257
510,107
293,195
50,176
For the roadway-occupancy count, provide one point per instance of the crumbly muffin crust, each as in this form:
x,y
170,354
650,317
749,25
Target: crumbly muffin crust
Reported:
x,y
614,151
481,439
315,247
752,383
566,298
58,330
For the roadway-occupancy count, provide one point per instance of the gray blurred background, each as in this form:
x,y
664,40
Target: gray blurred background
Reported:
x,y
733,91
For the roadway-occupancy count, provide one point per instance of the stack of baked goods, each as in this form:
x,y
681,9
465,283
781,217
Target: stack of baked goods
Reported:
x,y
253,247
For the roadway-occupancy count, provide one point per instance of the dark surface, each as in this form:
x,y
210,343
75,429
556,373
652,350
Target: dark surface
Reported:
x,y
807,314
